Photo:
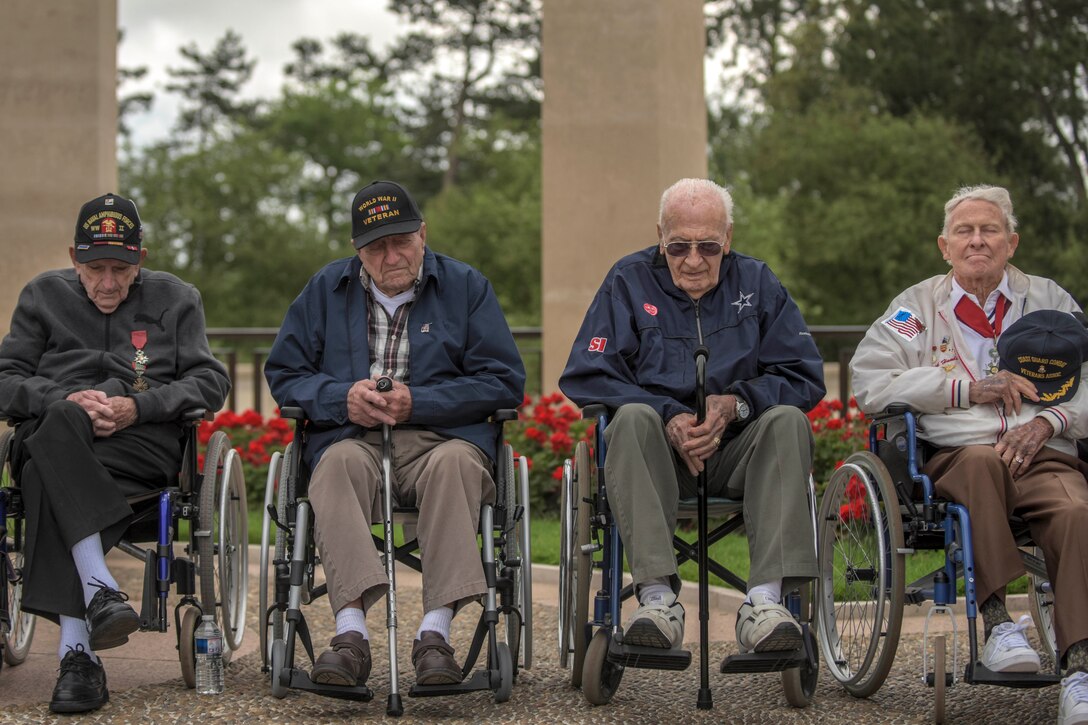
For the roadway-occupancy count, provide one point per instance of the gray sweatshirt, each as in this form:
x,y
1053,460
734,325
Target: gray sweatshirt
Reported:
x,y
61,343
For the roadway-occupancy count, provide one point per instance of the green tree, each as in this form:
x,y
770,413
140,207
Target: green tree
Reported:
x,y
461,59
210,86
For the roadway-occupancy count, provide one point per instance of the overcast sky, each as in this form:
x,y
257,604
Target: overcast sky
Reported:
x,y
155,29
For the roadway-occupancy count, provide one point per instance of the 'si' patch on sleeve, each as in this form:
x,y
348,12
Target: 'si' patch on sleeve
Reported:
x,y
905,323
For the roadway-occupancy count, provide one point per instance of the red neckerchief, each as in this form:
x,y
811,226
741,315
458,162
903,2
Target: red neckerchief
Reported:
x,y
969,313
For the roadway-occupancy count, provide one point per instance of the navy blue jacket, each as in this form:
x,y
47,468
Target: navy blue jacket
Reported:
x,y
638,340
464,364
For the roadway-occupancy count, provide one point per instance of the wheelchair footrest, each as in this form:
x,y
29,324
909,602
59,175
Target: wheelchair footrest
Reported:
x,y
984,676
648,658
300,680
479,680
763,661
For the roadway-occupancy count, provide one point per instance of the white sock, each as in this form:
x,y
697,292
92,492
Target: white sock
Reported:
x,y
351,619
437,620
771,591
656,591
73,632
91,565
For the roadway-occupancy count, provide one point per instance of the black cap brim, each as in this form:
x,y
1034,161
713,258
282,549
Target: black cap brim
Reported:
x,y
107,251
407,227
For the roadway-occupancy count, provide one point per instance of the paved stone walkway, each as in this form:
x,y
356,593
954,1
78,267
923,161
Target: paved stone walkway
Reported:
x,y
541,695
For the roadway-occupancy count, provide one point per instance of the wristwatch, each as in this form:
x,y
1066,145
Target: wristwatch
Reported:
x,y
742,410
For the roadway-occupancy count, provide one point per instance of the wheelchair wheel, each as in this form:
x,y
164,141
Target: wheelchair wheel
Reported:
x,y
271,626
600,678
574,564
862,570
190,620
279,659
223,543
20,630
525,591
800,683
512,552
1041,599
506,672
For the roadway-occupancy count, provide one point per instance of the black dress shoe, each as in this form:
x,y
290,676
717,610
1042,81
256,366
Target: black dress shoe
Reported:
x,y
109,619
81,685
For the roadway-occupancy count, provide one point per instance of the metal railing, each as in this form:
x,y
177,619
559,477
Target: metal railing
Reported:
x,y
255,342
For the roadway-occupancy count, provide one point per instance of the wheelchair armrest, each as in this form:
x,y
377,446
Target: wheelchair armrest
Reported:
x,y
505,414
895,410
594,409
293,413
195,415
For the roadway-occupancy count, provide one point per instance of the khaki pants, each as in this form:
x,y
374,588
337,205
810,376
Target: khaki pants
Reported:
x,y
1052,497
446,479
767,466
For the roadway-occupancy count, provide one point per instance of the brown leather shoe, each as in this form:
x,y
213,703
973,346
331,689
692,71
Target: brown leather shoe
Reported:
x,y
433,658
346,662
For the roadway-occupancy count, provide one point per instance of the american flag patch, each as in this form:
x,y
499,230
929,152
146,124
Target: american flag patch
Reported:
x,y
906,323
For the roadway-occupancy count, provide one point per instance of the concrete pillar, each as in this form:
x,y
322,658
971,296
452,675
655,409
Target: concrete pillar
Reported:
x,y
624,117
58,127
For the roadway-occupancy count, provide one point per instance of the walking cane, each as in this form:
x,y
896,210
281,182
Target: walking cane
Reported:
x,y
705,700
394,707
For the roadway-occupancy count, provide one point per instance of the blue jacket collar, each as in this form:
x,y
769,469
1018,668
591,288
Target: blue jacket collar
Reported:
x,y
352,266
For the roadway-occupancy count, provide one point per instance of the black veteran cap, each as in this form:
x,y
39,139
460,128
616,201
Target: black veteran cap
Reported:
x,y
108,228
1047,347
380,209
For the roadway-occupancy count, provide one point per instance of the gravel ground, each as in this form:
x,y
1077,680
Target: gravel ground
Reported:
x,y
543,693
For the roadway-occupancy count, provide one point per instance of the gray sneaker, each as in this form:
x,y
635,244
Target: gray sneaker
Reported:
x,y
656,624
766,626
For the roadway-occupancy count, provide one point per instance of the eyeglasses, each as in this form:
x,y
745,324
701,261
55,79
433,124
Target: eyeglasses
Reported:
x,y
706,248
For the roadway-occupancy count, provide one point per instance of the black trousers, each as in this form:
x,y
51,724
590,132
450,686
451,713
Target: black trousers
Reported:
x,y
75,485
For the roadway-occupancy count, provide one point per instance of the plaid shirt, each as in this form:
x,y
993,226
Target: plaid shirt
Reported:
x,y
387,335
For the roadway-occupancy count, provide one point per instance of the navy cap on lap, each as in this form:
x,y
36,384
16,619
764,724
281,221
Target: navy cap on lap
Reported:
x,y
1048,348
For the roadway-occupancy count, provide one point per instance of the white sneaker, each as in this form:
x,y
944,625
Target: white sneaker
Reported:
x,y
766,626
656,623
1074,699
1008,650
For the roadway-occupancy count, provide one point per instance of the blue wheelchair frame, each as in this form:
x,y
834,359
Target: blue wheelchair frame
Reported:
x,y
158,524
927,524
799,669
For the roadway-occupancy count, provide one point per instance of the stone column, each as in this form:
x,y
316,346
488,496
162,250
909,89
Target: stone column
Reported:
x,y
624,117
58,127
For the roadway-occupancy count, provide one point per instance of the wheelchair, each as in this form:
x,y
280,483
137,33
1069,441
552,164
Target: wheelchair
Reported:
x,y
211,574
590,631
289,560
871,518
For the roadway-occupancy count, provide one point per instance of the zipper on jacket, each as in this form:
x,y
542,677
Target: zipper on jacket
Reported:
x,y
698,322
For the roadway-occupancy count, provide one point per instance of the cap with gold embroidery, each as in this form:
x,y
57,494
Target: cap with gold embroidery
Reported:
x,y
380,209
1048,348
108,228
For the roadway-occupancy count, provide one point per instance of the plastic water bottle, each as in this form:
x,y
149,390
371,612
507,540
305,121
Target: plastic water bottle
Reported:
x,y
209,657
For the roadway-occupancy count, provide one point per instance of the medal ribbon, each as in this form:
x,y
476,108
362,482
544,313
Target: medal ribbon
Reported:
x,y
969,313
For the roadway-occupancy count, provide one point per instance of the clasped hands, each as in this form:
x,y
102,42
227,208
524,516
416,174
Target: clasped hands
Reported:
x,y
369,408
108,414
696,443
1018,446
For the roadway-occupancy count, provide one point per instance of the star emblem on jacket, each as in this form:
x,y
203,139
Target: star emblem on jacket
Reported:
x,y
744,300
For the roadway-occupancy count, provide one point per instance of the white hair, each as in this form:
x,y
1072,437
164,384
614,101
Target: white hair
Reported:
x,y
996,195
691,188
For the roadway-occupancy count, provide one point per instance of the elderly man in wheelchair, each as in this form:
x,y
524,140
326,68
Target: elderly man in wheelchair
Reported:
x,y
633,354
432,327
100,363
990,360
